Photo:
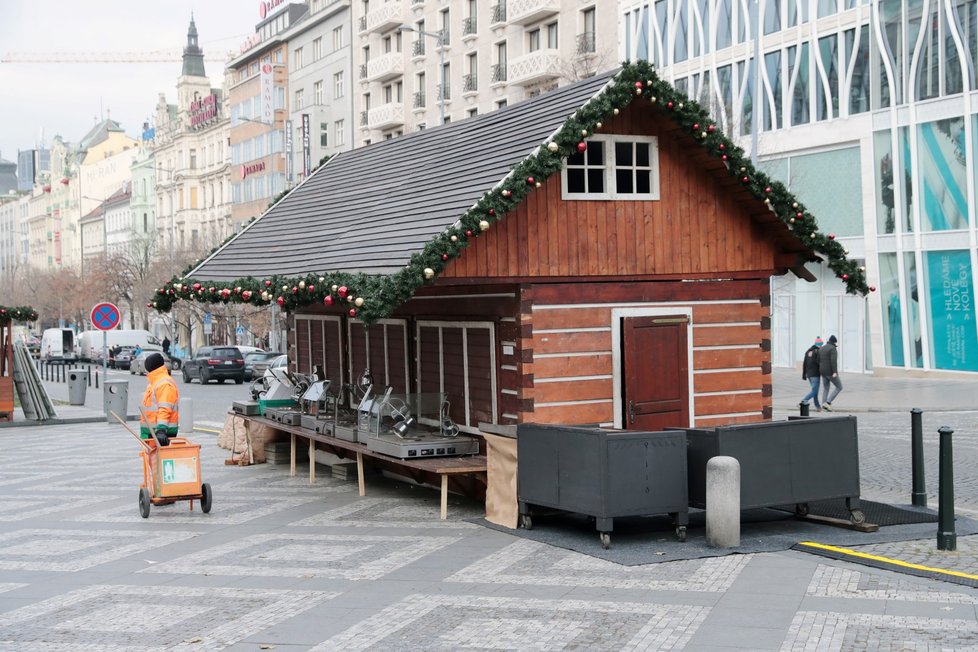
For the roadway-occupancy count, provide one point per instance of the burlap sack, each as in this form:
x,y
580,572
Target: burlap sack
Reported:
x,y
239,434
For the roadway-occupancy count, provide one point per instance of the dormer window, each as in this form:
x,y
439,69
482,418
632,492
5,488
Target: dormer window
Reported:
x,y
613,167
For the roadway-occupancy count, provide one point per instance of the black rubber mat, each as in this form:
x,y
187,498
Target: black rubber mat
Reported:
x,y
878,513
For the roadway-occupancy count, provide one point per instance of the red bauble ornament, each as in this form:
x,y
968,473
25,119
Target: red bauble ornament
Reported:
x,y
831,236
531,181
872,288
149,305
582,147
225,293
280,301
246,295
268,284
724,157
722,147
328,300
312,288
212,290
638,84
745,179
845,277
342,291
710,129
353,312
295,290
468,233
444,256
768,190
669,104
492,211
696,126
196,287
799,215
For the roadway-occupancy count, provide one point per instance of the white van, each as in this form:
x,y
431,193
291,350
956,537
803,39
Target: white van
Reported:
x,y
58,344
90,342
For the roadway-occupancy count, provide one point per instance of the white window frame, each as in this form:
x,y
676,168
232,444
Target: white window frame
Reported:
x,y
609,142
465,326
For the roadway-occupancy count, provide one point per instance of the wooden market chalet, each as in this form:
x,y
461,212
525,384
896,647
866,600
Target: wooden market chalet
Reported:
x,y
599,254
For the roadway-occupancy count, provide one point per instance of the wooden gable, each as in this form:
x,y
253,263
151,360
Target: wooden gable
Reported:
x,y
702,226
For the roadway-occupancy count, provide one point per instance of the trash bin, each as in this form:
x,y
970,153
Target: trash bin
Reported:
x,y
77,386
116,394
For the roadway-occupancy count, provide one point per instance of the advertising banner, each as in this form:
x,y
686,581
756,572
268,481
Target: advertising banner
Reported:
x,y
952,308
288,152
306,162
267,82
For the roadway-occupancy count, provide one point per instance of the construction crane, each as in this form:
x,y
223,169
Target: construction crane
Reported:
x,y
153,56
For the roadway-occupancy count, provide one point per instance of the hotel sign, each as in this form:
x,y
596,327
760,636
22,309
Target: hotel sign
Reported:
x,y
202,111
252,168
265,7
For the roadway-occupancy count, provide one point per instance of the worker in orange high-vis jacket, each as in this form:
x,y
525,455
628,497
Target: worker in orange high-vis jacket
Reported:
x,y
160,409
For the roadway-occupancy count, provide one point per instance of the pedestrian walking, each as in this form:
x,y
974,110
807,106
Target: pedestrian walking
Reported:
x,y
166,345
810,372
828,367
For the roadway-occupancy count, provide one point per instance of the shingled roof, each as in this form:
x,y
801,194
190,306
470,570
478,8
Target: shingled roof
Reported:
x,y
369,209
379,222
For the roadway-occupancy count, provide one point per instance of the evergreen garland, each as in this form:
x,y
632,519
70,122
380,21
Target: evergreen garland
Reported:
x,y
20,313
370,298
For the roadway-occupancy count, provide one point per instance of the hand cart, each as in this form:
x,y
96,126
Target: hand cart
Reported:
x,y
170,473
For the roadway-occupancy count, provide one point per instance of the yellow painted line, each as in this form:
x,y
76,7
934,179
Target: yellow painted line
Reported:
x,y
887,560
207,430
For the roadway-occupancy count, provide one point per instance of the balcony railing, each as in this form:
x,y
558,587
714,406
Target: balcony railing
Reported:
x,y
470,83
417,50
386,116
469,26
535,67
363,118
524,12
387,66
419,100
362,23
388,16
586,43
498,73
445,91
497,14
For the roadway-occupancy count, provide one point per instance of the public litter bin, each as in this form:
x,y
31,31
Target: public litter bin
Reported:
x,y
77,386
116,399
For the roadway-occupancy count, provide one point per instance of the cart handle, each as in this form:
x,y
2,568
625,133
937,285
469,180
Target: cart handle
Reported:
x,y
142,442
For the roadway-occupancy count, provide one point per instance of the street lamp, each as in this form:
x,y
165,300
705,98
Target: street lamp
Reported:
x,y
440,37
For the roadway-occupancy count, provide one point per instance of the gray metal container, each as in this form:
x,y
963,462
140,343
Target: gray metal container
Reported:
x,y
602,473
790,462
77,386
116,398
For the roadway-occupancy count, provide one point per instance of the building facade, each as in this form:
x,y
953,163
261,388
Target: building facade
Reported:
x,y
320,121
30,163
190,174
420,64
258,85
868,111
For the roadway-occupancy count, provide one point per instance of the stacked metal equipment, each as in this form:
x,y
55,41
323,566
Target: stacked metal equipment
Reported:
x,y
34,399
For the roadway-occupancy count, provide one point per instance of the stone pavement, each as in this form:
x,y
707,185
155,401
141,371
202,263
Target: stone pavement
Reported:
x,y
281,564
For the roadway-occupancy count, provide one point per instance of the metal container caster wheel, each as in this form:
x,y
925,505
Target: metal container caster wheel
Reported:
x,y
605,539
526,521
681,533
857,517
801,509
144,502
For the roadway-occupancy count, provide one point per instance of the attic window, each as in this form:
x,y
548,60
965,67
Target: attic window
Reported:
x,y
613,167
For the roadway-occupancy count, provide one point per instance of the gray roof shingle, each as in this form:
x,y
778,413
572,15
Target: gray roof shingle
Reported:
x,y
369,209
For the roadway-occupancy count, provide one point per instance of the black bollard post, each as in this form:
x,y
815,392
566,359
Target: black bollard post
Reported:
x,y
803,409
918,492
96,379
946,537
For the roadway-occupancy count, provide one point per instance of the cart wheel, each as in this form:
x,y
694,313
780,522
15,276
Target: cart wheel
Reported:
x,y
605,539
857,517
526,521
681,533
801,509
205,498
144,502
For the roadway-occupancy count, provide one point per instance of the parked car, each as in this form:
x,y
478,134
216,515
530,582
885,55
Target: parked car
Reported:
x,y
256,363
218,363
138,364
33,343
122,358
245,350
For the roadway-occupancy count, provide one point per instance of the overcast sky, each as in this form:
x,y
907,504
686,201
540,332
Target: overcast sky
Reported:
x,y
67,99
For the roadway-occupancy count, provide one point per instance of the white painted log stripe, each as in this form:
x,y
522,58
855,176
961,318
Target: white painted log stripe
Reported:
x,y
508,367
589,329
726,370
588,306
564,379
727,347
563,403
727,393
729,415
575,354
510,391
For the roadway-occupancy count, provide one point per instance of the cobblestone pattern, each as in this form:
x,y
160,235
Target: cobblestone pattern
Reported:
x,y
394,512
440,622
529,562
75,550
924,552
228,509
352,557
137,618
835,582
13,509
817,630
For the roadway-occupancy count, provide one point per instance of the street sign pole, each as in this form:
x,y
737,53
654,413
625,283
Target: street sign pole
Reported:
x,y
105,316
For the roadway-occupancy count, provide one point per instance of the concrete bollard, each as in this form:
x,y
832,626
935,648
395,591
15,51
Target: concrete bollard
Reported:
x,y
186,425
723,502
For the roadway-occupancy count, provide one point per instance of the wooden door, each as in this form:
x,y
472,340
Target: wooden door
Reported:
x,y
655,391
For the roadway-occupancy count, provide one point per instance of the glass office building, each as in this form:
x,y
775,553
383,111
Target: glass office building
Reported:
x,y
868,111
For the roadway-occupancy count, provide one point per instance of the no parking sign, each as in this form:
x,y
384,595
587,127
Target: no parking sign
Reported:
x,y
105,316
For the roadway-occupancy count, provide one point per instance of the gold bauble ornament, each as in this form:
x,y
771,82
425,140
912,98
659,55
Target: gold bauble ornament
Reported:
x,y
616,112
302,285
454,238
483,225
429,273
598,125
335,288
584,132
552,146
359,302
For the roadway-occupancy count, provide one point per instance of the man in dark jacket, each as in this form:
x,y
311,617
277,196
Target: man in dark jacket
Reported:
x,y
809,372
828,367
